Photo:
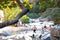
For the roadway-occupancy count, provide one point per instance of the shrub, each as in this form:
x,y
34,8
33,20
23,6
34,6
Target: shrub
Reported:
x,y
25,19
33,15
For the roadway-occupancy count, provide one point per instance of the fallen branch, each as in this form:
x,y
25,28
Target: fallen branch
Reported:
x,y
15,20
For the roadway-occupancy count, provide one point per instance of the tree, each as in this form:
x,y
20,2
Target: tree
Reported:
x,y
15,20
37,7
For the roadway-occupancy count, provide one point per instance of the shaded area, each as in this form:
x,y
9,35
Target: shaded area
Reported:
x,y
47,38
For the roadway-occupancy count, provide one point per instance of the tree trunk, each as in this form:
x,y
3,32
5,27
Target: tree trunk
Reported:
x,y
10,22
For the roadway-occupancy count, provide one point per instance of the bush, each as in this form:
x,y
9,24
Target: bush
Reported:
x,y
25,19
33,15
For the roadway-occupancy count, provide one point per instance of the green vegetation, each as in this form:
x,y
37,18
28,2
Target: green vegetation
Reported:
x,y
25,19
7,3
10,13
52,14
33,15
11,8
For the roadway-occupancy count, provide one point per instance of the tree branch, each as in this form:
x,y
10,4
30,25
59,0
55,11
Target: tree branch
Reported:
x,y
14,21
20,4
